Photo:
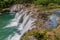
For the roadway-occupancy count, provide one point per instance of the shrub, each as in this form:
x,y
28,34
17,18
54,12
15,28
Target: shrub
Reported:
x,y
42,2
7,3
40,36
46,2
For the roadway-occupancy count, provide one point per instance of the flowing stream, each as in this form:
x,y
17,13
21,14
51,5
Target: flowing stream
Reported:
x,y
14,25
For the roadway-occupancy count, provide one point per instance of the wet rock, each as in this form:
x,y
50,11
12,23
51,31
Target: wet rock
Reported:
x,y
16,8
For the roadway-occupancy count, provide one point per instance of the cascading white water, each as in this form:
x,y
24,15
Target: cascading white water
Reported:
x,y
22,22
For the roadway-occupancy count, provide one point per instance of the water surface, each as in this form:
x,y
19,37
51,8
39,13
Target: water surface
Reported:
x,y
5,18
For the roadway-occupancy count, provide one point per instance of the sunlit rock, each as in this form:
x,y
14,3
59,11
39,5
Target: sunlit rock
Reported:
x,y
58,20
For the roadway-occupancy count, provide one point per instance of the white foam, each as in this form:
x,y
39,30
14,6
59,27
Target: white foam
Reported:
x,y
23,27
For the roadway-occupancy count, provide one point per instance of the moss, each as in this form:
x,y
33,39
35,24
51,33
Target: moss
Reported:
x,y
40,35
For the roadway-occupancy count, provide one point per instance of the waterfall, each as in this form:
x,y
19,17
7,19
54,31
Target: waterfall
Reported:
x,y
22,22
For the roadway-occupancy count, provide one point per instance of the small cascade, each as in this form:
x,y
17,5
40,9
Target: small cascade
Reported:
x,y
21,23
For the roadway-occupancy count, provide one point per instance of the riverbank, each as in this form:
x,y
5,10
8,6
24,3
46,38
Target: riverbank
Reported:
x,y
49,8
42,34
5,9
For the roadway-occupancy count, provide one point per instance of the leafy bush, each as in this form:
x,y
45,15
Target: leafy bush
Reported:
x,y
46,2
7,3
57,1
43,2
26,1
40,36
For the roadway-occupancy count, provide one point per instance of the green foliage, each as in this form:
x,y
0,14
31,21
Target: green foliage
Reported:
x,y
40,36
43,2
46,2
26,1
7,3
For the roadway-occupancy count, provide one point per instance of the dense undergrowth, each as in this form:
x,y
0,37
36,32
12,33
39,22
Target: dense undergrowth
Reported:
x,y
42,34
40,4
7,3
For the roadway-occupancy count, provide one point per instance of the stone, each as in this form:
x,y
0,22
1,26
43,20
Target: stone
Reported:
x,y
16,8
